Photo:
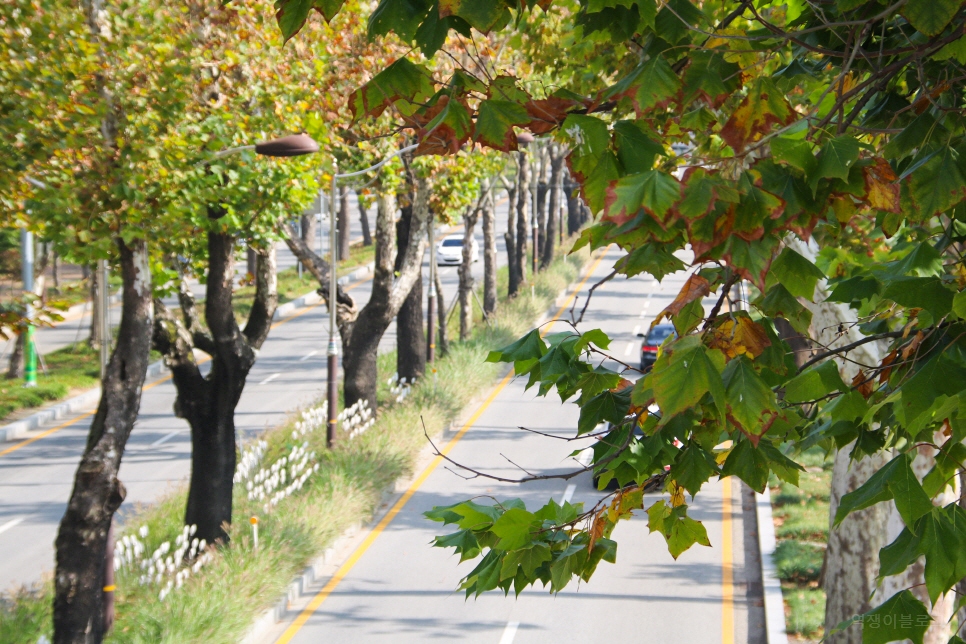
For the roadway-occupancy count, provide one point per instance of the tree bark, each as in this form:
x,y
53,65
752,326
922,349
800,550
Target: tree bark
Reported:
x,y
390,288
94,338
465,292
509,237
343,224
97,493
523,220
208,402
557,157
489,255
364,220
410,336
442,337
540,179
574,207
310,231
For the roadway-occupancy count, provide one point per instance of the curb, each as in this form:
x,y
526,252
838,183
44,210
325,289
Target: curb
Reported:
x,y
775,632
88,399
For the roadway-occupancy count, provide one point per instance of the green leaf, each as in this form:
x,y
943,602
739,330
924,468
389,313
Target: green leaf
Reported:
x,y
530,346
682,532
652,83
607,405
955,49
794,152
464,541
930,17
940,183
683,380
483,15
922,261
494,124
895,480
655,191
402,83
655,259
567,564
943,542
401,16
855,289
900,617
528,559
291,15
475,516
593,382
751,402
594,336
635,149
796,273
899,555
929,293
513,528
778,302
836,159
693,467
814,383
749,464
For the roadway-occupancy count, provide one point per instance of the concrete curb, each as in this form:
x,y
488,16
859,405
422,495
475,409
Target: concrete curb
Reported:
x,y
88,399
775,631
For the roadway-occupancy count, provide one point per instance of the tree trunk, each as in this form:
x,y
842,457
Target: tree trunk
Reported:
x,y
364,220
392,283
15,368
489,255
573,207
465,292
208,402
442,337
540,178
97,493
94,338
410,337
509,237
343,224
310,231
523,220
556,171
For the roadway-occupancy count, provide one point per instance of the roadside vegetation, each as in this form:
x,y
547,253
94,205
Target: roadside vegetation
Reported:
x,y
300,513
801,517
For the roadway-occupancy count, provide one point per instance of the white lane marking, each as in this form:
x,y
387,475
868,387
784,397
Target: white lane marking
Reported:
x,y
9,524
568,493
165,439
509,632
654,283
630,346
307,356
270,378
637,329
584,457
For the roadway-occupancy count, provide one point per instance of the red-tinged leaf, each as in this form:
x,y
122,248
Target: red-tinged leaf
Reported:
x,y
494,124
445,128
403,83
882,191
711,231
762,109
547,114
328,8
654,191
694,288
752,259
651,86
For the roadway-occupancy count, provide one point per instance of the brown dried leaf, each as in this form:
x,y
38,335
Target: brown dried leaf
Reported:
x,y
863,383
695,288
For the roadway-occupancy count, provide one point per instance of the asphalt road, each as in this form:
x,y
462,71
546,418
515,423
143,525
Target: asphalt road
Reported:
x,y
36,474
389,585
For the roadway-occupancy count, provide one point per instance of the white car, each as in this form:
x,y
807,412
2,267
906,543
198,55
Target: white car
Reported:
x,y
450,250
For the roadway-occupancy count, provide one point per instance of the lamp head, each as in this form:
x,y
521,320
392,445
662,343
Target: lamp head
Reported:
x,y
295,145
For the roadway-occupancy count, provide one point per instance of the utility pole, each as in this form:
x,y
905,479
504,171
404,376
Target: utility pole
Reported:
x,y
102,301
29,348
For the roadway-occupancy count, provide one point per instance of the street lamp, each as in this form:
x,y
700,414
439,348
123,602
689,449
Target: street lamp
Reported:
x,y
332,354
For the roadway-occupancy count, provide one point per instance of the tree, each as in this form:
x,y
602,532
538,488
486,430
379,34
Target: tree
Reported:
x,y
839,126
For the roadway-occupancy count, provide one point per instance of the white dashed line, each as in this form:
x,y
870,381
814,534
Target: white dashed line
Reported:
x,y
165,439
637,329
270,378
568,493
509,632
9,524
584,457
630,347
307,356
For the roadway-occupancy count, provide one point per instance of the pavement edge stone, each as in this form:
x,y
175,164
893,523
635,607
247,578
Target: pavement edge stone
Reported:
x,y
775,631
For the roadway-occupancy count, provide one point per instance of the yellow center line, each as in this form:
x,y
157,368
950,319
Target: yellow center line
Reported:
x,y
344,569
727,570
155,383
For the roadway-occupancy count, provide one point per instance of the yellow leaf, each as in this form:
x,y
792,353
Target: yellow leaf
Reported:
x,y
677,494
739,336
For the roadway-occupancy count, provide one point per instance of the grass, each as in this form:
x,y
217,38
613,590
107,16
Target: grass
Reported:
x,y
218,604
801,516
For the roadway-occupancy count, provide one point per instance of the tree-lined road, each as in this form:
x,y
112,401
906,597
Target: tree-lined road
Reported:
x,y
398,589
35,477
